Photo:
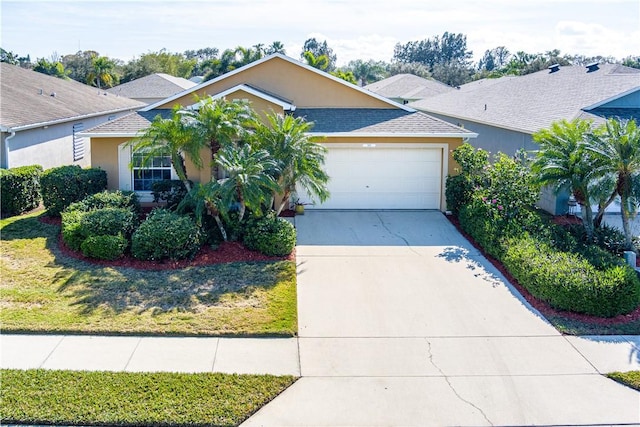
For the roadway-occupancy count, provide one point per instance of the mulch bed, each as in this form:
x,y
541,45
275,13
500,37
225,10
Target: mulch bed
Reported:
x,y
542,306
224,253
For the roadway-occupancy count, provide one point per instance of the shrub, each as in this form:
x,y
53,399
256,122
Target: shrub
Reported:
x,y
478,221
104,247
568,281
20,189
72,233
270,235
472,173
165,234
64,185
107,221
458,192
108,199
171,191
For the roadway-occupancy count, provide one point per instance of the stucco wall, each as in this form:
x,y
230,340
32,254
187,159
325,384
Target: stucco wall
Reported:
x,y
104,155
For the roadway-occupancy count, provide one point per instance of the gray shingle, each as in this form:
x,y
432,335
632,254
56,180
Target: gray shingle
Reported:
x,y
129,124
408,86
157,85
27,98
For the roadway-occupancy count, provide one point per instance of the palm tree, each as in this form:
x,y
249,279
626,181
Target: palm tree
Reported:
x,y
250,181
175,136
618,145
276,47
321,62
206,199
101,71
366,72
300,158
562,161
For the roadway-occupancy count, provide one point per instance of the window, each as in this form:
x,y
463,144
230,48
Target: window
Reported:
x,y
78,142
158,169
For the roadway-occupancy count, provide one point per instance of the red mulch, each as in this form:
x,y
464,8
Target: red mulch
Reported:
x,y
542,306
225,252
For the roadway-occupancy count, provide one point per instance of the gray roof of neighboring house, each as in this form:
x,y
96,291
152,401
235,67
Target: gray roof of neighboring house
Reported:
x,y
27,99
129,124
532,102
371,120
408,86
157,85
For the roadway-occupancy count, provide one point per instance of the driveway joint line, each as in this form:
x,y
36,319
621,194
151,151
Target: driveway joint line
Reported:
x,y
215,355
52,351
132,353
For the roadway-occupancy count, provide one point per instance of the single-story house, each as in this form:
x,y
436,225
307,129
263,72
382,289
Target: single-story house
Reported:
x,y
381,154
41,118
405,88
152,88
507,111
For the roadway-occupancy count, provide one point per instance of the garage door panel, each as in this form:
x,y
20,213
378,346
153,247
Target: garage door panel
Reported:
x,y
383,178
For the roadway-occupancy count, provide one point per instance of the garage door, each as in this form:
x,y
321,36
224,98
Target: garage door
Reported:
x,y
372,176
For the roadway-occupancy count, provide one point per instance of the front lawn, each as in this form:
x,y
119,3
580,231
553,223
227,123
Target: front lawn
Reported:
x,y
44,290
133,399
631,378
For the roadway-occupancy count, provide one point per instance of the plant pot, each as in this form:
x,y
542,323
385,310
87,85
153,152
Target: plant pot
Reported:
x,y
299,209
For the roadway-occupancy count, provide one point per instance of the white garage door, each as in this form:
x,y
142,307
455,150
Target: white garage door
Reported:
x,y
383,177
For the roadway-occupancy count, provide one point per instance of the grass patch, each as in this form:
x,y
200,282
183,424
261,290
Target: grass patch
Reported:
x,y
118,398
578,327
44,290
631,378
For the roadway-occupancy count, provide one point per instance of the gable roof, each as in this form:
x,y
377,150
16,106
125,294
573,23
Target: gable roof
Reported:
x,y
286,104
408,86
348,85
532,102
127,126
157,85
31,99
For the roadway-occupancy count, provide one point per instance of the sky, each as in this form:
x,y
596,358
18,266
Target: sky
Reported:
x,y
354,29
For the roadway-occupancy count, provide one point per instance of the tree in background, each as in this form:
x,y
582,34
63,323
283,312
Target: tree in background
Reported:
x,y
415,68
175,64
631,61
275,47
320,62
319,49
494,59
367,71
347,76
55,69
102,72
448,49
79,64
15,59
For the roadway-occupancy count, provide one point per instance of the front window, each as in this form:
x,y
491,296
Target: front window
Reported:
x,y
158,168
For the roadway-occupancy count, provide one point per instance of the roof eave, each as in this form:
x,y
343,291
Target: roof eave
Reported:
x,y
481,122
109,134
394,134
67,119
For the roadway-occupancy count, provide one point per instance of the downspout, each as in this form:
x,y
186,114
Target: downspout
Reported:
x,y
6,145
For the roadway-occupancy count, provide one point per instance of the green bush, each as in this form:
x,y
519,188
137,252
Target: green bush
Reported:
x,y
477,220
270,235
165,234
108,199
108,221
568,281
171,191
458,192
104,247
20,189
64,185
72,234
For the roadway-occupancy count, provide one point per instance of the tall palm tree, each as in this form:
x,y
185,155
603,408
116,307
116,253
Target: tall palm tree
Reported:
x,y
102,71
618,145
250,180
299,156
276,47
321,62
366,72
562,161
175,136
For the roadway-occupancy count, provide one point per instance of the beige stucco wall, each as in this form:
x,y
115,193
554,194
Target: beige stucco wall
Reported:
x,y
104,155
304,88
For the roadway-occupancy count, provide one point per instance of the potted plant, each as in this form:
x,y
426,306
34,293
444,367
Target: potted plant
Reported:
x,y
299,207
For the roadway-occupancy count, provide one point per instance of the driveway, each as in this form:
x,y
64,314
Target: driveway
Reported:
x,y
403,322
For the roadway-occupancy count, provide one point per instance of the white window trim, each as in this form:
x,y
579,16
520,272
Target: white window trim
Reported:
x,y
125,173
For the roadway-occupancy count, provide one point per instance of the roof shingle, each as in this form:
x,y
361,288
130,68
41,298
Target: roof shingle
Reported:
x,y
157,85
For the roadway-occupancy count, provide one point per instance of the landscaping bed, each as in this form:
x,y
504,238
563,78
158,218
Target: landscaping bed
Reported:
x,y
134,399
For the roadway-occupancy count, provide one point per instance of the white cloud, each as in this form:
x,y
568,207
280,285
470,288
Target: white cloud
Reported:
x,y
594,39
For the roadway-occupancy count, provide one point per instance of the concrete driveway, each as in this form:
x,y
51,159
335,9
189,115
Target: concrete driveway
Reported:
x,y
403,322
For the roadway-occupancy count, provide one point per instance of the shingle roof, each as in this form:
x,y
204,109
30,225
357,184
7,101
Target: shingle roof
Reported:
x,y
157,85
408,86
27,99
532,102
382,121
129,124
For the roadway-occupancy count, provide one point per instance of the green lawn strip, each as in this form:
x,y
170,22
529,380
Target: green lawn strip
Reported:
x,y
578,327
45,291
119,398
631,378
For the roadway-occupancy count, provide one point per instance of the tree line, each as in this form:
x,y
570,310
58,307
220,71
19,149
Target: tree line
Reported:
x,y
445,58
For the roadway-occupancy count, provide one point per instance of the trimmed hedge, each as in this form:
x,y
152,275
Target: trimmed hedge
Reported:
x,y
165,234
20,189
570,282
108,199
64,185
270,235
108,221
171,191
104,247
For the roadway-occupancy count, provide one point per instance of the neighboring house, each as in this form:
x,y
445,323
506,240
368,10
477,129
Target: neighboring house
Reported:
x,y
41,117
152,88
405,88
505,112
381,155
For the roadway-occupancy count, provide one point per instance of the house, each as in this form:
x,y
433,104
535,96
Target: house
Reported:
x,y
405,88
381,154
152,88
41,117
507,111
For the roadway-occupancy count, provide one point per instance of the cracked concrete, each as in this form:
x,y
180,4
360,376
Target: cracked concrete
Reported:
x,y
403,322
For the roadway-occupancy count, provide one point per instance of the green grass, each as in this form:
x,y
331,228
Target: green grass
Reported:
x,y
118,398
578,327
44,290
631,378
